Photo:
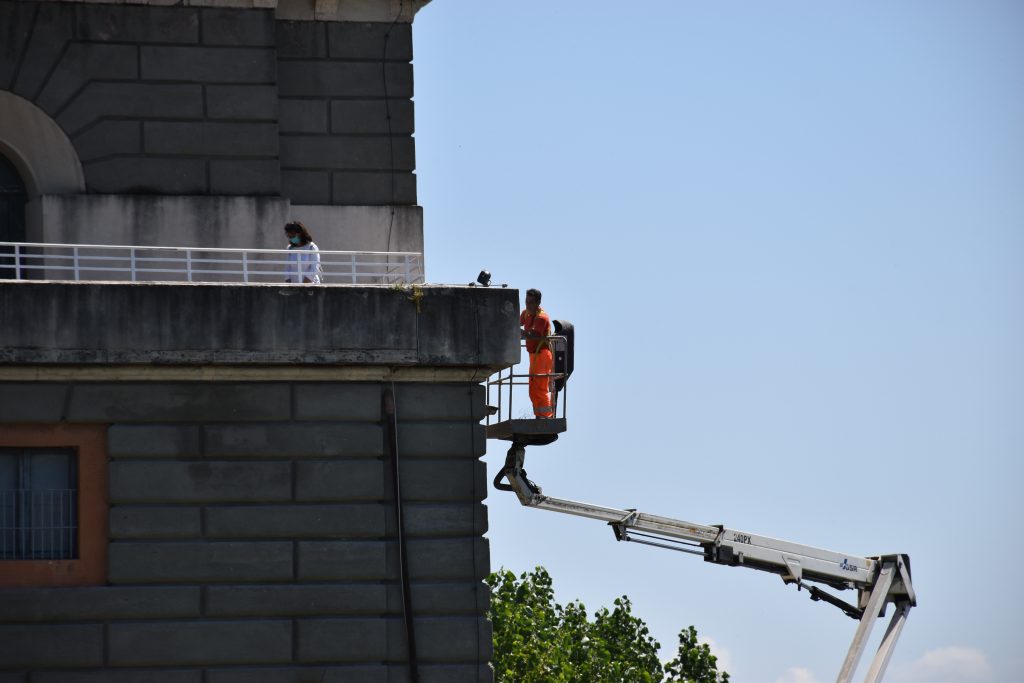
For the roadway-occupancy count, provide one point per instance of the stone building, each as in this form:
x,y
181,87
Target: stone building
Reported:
x,y
226,482
210,122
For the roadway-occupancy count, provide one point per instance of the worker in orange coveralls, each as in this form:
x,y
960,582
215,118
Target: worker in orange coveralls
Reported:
x,y
536,327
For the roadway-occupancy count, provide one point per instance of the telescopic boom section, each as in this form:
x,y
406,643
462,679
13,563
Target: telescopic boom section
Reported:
x,y
878,580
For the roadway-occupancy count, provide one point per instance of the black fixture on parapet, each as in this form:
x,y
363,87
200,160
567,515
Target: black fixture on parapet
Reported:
x,y
484,280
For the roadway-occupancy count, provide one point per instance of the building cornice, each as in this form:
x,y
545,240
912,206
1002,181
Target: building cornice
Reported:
x,y
401,11
341,332
236,373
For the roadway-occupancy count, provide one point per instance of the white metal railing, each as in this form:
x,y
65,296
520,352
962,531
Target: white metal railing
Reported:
x,y
37,260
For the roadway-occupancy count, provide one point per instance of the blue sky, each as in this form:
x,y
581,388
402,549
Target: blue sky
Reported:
x,y
791,238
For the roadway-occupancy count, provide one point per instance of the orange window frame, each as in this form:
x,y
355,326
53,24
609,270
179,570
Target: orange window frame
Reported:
x,y
90,567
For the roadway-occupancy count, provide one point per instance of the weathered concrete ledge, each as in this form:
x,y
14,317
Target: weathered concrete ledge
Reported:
x,y
75,323
299,10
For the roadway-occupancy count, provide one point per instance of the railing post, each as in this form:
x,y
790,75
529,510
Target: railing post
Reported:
x,y
75,254
245,267
188,264
511,381
17,261
565,397
132,256
352,260
408,273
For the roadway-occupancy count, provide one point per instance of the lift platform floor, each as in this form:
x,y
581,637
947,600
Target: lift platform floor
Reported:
x,y
526,430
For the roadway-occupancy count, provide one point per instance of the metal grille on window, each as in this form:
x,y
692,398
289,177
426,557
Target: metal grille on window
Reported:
x,y
38,504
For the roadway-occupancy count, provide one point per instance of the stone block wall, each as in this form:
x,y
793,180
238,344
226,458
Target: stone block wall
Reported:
x,y
253,535
189,100
340,86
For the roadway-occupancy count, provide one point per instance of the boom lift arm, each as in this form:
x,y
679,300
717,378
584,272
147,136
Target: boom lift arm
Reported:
x,y
878,580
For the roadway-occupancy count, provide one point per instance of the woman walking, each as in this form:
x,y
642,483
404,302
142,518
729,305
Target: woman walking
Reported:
x,y
303,255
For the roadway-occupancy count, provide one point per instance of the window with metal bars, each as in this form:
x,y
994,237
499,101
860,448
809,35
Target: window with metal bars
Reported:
x,y
38,504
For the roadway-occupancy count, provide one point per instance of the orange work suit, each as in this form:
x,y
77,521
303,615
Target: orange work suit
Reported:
x,y
541,361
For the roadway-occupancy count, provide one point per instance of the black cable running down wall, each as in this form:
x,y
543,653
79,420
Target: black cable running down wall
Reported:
x,y
391,435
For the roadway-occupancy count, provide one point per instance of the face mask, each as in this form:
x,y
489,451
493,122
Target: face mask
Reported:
x,y
295,239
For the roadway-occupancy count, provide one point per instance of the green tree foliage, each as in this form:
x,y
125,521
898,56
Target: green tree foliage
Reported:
x,y
694,662
538,640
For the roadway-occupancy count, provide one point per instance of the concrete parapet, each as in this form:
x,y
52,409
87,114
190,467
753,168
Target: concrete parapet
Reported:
x,y
85,323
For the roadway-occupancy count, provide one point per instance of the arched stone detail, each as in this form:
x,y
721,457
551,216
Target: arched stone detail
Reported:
x,y
39,148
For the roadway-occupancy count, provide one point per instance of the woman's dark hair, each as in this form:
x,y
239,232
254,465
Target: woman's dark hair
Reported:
x,y
535,293
296,226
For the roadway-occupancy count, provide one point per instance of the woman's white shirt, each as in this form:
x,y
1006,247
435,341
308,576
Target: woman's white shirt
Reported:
x,y
304,263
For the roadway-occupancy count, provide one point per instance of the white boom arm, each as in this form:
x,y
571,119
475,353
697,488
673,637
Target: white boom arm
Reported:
x,y
878,580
